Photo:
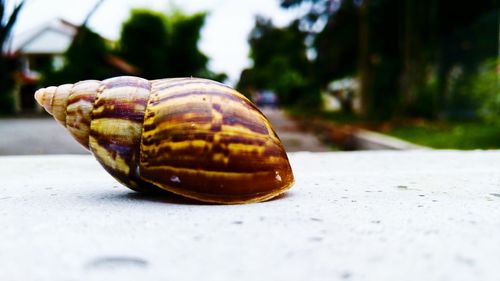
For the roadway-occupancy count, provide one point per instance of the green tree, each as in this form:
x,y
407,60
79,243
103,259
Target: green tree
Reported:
x,y
8,63
186,59
337,45
407,50
485,87
280,63
379,58
144,42
165,45
84,59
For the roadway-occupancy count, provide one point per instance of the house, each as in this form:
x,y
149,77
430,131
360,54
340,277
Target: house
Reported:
x,y
43,48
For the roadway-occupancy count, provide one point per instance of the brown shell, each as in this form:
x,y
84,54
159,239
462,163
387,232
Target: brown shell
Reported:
x,y
194,137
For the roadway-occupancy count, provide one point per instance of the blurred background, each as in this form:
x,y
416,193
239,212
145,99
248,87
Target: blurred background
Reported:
x,y
330,74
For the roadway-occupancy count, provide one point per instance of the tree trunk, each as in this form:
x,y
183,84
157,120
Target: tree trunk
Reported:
x,y
365,70
418,28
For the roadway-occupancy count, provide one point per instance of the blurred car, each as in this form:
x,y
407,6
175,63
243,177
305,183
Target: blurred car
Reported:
x,y
266,98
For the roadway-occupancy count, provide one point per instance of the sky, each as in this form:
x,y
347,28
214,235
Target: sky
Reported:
x,y
223,38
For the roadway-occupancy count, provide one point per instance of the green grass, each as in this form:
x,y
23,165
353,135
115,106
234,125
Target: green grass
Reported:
x,y
460,135
435,134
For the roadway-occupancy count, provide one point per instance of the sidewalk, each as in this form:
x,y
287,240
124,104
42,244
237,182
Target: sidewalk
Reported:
x,y
292,137
412,215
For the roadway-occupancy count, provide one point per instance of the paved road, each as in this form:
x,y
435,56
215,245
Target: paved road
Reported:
x,y
36,136
292,137
46,136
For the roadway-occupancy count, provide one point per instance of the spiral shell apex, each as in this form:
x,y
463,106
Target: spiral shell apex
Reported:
x,y
194,137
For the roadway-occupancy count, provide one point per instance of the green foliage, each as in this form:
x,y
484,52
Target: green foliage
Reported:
x,y
319,11
268,42
337,45
84,59
280,64
8,63
403,52
426,102
144,43
158,45
451,135
486,87
186,59
380,59
162,45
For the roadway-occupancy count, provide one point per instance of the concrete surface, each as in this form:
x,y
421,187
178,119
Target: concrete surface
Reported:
x,y
419,215
28,136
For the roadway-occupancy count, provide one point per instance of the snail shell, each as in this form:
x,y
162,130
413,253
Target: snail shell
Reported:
x,y
194,137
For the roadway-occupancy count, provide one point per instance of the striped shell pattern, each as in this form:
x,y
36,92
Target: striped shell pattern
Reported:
x,y
194,137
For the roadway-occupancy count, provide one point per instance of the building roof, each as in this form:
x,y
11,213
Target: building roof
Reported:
x,y
53,37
